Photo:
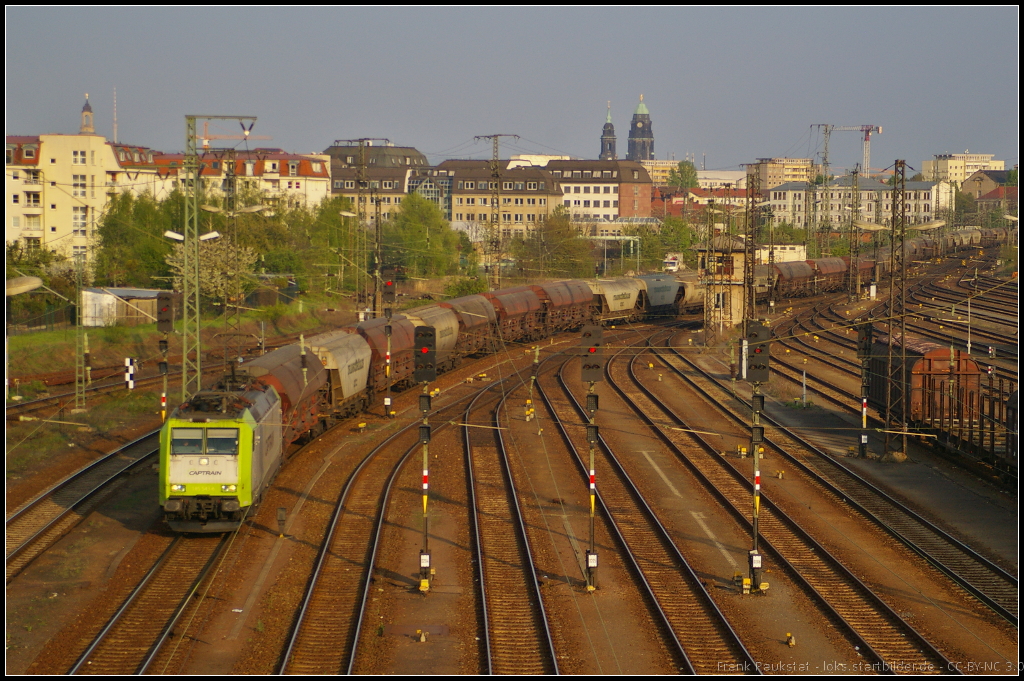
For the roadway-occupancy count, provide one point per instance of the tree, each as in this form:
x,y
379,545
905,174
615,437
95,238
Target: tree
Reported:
x,y
218,266
132,249
684,176
422,241
1011,178
555,249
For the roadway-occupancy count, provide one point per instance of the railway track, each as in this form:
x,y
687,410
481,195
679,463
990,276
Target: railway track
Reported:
x,y
39,523
704,639
885,635
989,583
325,636
134,636
517,637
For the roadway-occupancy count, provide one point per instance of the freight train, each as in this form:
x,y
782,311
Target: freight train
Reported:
x,y
220,450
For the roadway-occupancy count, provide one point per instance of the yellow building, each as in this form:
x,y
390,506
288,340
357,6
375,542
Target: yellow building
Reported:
x,y
958,167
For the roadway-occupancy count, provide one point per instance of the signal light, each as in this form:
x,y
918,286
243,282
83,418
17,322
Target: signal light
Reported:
x,y
865,338
390,293
592,363
758,337
164,312
425,358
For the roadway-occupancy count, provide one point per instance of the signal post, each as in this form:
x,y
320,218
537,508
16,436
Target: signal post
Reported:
x,y
389,297
425,371
165,325
591,371
758,337
865,340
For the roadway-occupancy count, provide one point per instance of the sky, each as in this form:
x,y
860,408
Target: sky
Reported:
x,y
725,85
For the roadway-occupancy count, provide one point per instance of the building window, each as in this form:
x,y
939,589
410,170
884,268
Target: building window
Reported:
x,y
543,202
519,186
32,199
78,158
470,185
607,204
556,173
568,202
350,184
586,204
338,184
531,202
79,219
15,198
519,202
531,217
78,185
531,185
293,169
519,217
33,243
29,153
507,185
615,204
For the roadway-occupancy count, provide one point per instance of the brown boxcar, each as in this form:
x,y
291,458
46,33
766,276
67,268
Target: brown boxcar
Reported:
x,y
941,393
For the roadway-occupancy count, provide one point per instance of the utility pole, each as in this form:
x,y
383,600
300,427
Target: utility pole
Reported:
x,y
896,364
493,243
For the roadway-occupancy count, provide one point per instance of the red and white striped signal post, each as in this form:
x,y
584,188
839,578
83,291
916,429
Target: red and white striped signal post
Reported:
x,y
591,371
425,371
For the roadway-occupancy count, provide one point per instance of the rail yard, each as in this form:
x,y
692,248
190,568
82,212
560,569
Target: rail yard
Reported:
x,y
516,513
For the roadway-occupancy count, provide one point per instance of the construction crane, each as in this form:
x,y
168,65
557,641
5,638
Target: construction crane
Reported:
x,y
206,137
867,130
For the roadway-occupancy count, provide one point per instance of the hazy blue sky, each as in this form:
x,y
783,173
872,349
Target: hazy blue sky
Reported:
x,y
732,83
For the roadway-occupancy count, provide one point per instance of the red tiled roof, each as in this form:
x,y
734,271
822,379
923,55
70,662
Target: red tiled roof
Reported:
x,y
1000,193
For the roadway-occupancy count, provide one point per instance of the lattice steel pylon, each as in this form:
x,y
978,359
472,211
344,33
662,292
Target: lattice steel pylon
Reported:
x,y
191,344
709,280
81,338
493,242
896,401
854,236
750,242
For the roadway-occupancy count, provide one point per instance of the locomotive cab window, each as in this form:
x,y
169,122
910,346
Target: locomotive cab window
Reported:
x,y
186,441
222,441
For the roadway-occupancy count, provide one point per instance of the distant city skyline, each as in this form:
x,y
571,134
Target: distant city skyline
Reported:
x,y
735,84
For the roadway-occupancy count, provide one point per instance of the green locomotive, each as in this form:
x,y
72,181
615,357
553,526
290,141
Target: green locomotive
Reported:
x,y
220,450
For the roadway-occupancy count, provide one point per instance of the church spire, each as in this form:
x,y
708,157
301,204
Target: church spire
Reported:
x,y
641,136
608,138
87,126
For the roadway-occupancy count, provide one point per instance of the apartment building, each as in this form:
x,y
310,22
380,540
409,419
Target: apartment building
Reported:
x,y
958,167
802,205
526,196
596,191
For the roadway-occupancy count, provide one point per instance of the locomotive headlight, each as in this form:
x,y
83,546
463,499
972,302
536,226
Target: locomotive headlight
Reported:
x,y
204,462
228,488
177,488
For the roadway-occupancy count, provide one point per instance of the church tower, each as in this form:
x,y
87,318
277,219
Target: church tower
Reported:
x,y
608,138
87,127
641,136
